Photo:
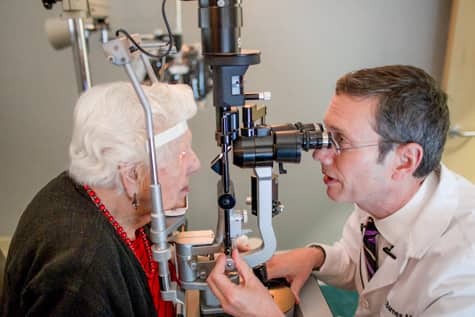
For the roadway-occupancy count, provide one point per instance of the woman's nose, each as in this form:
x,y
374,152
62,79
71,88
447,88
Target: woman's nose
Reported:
x,y
194,163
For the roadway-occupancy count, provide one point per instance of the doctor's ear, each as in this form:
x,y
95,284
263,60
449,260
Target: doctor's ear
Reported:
x,y
408,158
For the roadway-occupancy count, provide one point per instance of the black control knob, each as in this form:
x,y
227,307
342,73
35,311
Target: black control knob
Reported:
x,y
226,201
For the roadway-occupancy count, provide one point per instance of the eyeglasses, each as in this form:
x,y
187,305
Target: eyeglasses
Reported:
x,y
340,144
339,149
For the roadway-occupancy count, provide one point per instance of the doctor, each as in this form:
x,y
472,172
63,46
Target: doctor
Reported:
x,y
408,248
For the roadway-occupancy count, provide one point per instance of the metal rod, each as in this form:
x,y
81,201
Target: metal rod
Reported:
x,y
149,69
178,21
225,158
158,230
225,177
228,246
148,120
80,54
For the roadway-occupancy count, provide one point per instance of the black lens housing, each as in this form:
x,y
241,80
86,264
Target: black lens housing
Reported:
x,y
279,143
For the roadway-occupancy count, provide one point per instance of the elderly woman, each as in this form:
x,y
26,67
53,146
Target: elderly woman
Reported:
x,y
81,246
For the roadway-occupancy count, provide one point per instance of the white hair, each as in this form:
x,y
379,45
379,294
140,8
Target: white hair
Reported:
x,y
109,129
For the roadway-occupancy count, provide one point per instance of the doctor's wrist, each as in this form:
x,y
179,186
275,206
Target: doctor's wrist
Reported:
x,y
320,257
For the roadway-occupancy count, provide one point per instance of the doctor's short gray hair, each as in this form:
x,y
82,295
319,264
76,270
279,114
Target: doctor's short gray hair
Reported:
x,y
412,108
109,129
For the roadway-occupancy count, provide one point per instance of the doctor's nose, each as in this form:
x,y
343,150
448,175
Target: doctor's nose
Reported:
x,y
325,155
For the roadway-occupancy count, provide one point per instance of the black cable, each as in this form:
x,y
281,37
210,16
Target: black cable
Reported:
x,y
170,36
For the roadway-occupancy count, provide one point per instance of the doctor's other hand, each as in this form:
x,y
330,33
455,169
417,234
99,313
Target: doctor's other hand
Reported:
x,y
296,266
248,299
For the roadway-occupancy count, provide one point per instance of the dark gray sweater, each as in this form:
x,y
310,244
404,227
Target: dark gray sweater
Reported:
x,y
65,259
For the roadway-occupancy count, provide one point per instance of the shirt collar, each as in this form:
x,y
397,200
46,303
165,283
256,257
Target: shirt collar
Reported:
x,y
395,225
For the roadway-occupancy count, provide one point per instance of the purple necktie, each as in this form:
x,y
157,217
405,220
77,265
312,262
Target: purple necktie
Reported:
x,y
370,251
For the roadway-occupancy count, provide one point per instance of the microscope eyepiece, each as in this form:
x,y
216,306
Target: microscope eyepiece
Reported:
x,y
314,140
279,143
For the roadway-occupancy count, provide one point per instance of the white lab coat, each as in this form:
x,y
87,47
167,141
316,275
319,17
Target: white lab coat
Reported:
x,y
434,270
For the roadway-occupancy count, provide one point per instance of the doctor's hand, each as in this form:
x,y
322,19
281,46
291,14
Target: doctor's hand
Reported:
x,y
248,299
296,266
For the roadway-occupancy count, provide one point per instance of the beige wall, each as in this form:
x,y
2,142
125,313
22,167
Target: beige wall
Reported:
x,y
459,82
306,45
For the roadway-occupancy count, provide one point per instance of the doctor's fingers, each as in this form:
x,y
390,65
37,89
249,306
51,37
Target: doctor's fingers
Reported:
x,y
296,285
229,294
244,270
218,280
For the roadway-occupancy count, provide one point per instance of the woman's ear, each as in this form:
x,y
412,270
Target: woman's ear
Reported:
x,y
129,179
408,158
